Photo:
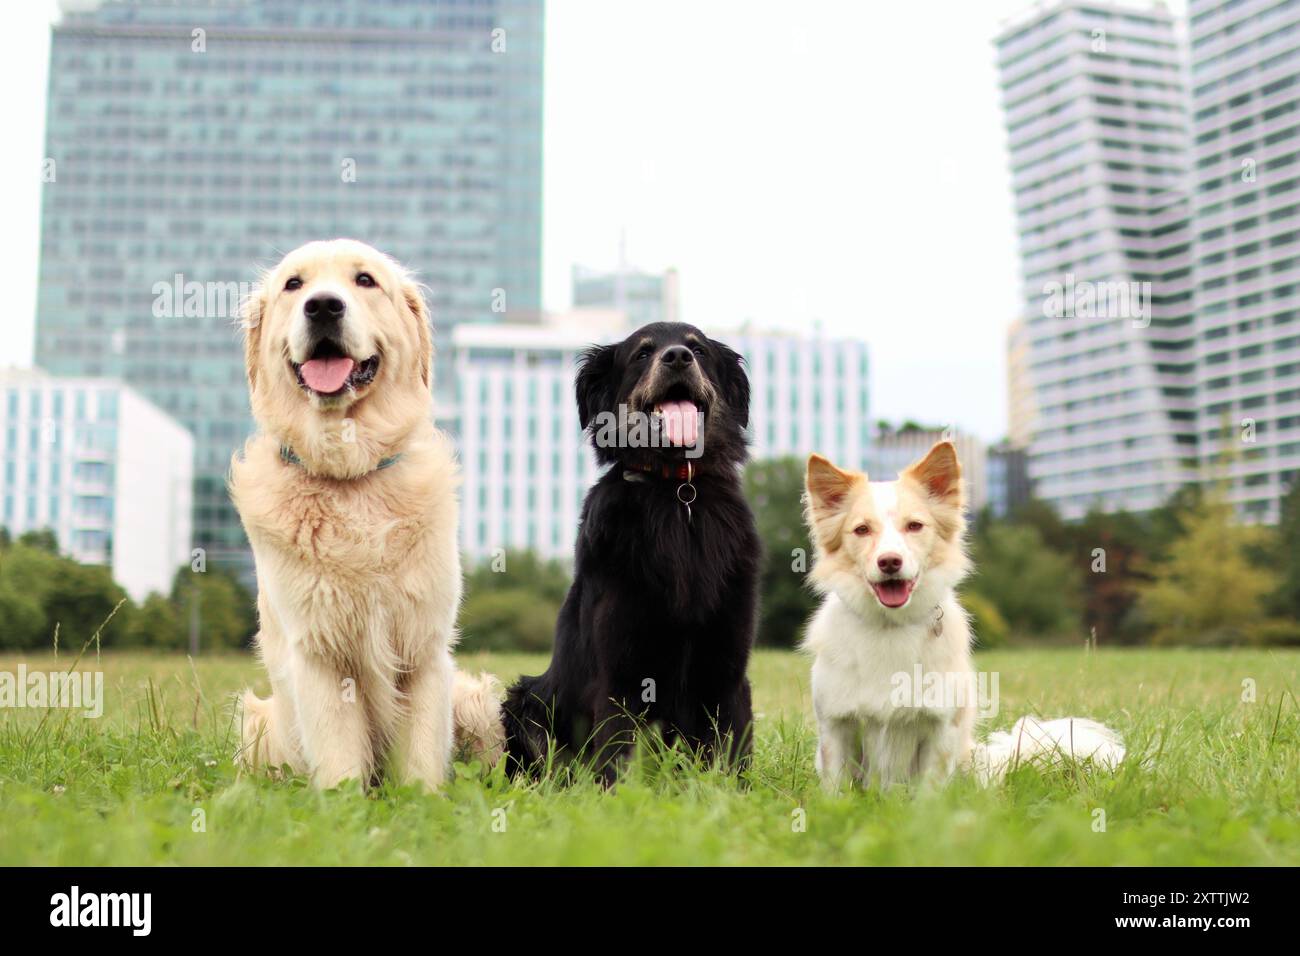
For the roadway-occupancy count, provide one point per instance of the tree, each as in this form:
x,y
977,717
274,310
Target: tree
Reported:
x,y
157,625
1044,519
511,603
22,621
1038,591
77,598
44,539
988,626
510,619
775,492
1116,548
1207,589
227,612
81,599
523,570
1287,556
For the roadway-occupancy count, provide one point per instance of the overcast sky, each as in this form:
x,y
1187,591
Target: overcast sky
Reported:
x,y
813,162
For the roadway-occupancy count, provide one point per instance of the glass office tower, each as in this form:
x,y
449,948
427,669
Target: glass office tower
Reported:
x,y
189,144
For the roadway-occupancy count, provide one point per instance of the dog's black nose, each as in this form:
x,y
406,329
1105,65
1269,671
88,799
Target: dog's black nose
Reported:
x,y
322,306
676,356
890,563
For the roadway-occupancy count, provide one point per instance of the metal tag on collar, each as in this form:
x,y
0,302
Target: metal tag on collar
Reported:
x,y
937,627
686,492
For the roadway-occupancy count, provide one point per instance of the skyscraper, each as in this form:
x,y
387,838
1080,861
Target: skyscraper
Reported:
x,y
189,143
1245,63
1095,111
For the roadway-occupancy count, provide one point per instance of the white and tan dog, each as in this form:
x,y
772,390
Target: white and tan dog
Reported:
x,y
889,557
349,498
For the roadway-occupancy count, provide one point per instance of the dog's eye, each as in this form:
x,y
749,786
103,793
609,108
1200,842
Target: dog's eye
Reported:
x,y
643,355
293,283
915,526
698,349
365,280
862,530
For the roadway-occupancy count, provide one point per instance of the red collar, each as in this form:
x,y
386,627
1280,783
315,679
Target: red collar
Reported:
x,y
683,472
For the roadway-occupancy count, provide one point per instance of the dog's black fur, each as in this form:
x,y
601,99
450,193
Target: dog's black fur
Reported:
x,y
656,595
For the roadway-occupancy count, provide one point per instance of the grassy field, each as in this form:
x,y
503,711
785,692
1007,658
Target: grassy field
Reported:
x,y
152,781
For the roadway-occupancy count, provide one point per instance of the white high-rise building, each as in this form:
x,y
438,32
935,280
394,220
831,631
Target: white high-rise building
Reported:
x,y
528,465
1245,62
106,470
807,394
1094,99
526,462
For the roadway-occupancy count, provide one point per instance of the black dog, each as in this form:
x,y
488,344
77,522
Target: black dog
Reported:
x,y
660,618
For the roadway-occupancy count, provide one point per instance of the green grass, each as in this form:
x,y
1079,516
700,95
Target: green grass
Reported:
x,y
1220,785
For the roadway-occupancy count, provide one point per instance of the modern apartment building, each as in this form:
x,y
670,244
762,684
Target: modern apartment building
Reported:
x,y
1245,89
1095,107
526,462
106,470
528,465
808,394
190,142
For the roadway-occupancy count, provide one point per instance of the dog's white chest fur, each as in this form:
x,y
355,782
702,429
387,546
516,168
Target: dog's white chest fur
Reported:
x,y
892,702
864,672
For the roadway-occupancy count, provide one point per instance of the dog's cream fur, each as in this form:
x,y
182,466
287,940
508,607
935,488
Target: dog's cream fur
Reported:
x,y
865,733
358,570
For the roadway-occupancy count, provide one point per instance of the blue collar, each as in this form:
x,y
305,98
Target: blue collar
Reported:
x,y
288,456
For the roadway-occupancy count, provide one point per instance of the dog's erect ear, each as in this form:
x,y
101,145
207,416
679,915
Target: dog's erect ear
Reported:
x,y
939,473
595,386
420,312
828,486
828,493
252,315
735,383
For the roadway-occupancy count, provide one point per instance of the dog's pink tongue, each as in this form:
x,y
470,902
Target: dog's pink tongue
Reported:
x,y
327,374
894,592
681,422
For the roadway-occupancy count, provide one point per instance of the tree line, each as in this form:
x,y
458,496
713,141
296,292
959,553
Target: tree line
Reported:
x,y
1188,573
40,588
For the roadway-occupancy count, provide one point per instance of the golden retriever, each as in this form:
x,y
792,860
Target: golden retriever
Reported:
x,y
348,496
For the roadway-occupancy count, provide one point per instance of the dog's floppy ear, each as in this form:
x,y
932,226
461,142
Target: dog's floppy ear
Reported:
x,y
735,383
252,314
595,388
939,473
415,304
